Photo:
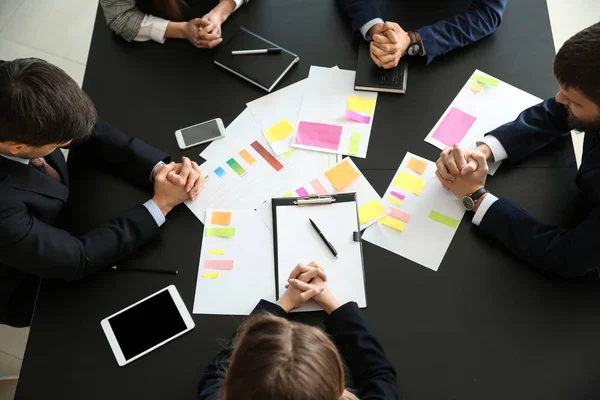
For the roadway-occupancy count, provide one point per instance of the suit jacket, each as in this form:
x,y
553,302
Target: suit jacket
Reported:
x,y
372,372
31,247
566,252
481,19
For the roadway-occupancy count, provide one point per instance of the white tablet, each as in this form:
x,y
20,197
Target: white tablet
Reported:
x,y
147,325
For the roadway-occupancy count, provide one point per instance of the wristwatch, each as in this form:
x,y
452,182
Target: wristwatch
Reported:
x,y
416,46
469,200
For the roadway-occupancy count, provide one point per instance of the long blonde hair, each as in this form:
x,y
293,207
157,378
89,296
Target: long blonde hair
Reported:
x,y
277,359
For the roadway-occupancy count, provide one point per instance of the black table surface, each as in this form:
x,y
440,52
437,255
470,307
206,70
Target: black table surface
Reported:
x,y
483,326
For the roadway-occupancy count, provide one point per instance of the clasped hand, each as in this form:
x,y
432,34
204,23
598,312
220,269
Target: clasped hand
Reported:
x,y
308,282
176,183
463,171
390,43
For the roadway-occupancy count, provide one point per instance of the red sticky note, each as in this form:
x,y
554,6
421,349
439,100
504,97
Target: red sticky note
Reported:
x,y
401,215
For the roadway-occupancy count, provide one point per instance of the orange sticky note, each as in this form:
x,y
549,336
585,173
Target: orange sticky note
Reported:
x,y
247,157
220,218
342,175
419,166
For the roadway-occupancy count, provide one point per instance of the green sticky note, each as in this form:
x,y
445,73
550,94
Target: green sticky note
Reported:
x,y
220,232
289,153
288,194
443,219
488,80
354,143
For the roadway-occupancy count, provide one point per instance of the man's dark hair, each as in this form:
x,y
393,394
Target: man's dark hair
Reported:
x,y
40,104
577,63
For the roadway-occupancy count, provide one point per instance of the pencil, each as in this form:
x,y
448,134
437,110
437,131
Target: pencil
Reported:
x,y
155,270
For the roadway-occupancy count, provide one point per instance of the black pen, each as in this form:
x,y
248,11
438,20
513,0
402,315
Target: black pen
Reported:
x,y
157,271
327,242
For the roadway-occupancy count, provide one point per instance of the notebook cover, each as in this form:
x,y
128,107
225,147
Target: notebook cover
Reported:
x,y
263,70
372,78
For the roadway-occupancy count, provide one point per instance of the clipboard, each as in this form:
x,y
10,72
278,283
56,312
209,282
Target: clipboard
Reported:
x,y
296,241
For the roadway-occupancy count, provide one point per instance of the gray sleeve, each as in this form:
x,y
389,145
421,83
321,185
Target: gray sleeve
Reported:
x,y
123,17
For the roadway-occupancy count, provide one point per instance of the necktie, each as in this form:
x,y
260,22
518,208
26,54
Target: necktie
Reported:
x,y
43,166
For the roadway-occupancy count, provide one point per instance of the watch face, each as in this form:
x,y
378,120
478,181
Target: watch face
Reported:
x,y
468,203
413,50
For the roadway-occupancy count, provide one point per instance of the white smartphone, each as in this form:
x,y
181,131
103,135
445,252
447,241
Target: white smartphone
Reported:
x,y
200,133
146,325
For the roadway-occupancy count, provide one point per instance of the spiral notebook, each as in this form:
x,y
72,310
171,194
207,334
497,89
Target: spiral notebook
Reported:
x,y
263,70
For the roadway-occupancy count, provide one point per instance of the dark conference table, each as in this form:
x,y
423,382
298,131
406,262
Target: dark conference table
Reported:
x,y
485,326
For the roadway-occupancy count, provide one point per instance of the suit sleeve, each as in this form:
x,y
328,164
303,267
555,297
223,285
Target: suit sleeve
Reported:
x,y
534,129
35,247
213,378
550,248
111,150
371,370
359,11
482,18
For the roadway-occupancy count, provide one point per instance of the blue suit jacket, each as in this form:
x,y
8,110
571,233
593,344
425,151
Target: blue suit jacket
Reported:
x,y
31,247
566,252
479,20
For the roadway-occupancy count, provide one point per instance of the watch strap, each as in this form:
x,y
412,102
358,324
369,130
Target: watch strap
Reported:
x,y
478,193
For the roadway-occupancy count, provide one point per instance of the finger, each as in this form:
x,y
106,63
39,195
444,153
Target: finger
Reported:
x,y
481,162
377,51
450,164
391,64
164,171
299,269
312,273
441,164
194,178
175,179
391,35
207,36
445,182
460,157
300,285
186,168
209,44
375,58
309,294
391,26
199,185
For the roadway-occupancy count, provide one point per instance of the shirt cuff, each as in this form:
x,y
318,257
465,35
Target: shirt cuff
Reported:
x,y
152,28
154,210
364,30
495,146
486,203
238,4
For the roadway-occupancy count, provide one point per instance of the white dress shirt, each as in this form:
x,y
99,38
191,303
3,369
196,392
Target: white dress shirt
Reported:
x,y
154,28
150,205
499,153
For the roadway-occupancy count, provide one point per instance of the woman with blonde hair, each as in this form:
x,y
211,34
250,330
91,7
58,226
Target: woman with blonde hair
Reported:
x,y
273,358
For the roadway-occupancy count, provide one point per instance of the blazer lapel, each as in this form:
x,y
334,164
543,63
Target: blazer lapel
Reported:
x,y
27,178
56,159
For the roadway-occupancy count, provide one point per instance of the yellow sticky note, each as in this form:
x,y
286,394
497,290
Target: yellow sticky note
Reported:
x,y
394,200
342,175
219,252
419,166
279,131
393,223
409,182
211,275
369,211
220,218
476,85
361,105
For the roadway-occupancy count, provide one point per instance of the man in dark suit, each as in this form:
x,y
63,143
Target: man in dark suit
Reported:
x,y
390,42
41,110
566,252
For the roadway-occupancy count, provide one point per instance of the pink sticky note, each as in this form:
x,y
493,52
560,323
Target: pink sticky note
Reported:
x,y
218,264
320,189
472,89
401,215
319,135
397,195
354,116
302,192
454,127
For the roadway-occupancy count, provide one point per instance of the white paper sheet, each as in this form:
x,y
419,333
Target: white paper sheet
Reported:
x,y
298,242
237,291
364,193
423,240
261,181
325,101
273,108
492,106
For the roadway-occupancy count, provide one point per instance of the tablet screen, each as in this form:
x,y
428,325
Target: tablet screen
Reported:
x,y
147,324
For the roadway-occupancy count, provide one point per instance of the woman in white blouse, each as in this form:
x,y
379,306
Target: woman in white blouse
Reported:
x,y
157,20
